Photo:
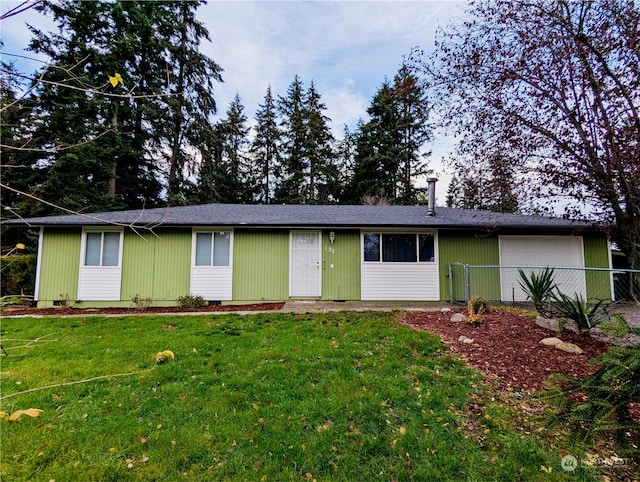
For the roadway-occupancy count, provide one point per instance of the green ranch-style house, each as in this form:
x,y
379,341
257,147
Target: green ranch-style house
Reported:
x,y
230,253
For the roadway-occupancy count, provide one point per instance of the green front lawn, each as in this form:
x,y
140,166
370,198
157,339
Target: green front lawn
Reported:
x,y
271,397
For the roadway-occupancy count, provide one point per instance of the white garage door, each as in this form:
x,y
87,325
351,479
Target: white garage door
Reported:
x,y
530,252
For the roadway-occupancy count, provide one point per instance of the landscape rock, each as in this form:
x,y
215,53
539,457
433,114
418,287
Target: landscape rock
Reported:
x,y
457,317
569,348
466,340
548,323
551,341
445,310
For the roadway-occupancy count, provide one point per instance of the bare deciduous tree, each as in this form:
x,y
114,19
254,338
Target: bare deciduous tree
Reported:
x,y
556,84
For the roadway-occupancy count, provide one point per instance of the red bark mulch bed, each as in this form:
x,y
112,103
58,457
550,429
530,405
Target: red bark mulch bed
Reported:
x,y
507,346
136,311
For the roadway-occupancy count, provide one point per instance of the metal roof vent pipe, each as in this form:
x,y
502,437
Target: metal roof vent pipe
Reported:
x,y
431,193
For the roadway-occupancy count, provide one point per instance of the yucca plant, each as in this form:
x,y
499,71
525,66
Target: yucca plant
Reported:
x,y
538,288
577,309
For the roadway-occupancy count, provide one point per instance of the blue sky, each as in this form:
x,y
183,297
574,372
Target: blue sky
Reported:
x,y
346,48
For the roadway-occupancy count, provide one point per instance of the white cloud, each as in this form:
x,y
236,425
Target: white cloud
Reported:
x,y
345,106
334,44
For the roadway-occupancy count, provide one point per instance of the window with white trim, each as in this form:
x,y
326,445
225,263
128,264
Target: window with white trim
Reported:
x,y
399,247
102,248
212,248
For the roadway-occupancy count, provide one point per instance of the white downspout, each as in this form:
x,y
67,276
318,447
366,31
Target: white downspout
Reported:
x,y
36,290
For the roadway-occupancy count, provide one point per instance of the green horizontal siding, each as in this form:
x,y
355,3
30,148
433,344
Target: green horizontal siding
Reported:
x,y
59,265
460,247
260,265
156,266
341,266
596,255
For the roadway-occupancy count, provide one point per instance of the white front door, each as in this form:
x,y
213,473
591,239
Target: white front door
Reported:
x,y
305,259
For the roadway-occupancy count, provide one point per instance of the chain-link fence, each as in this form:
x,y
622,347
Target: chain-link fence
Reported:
x,y
502,283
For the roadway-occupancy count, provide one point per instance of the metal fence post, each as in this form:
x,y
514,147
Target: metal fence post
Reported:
x,y
450,284
467,284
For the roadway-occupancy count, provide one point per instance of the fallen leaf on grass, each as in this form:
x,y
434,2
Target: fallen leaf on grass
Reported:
x,y
31,412
164,355
325,426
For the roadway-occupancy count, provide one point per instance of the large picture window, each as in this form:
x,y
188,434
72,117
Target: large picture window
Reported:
x,y
399,247
102,249
212,248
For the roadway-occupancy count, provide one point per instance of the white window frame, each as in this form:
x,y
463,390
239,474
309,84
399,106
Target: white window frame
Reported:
x,y
400,280
102,232
212,231
213,283
100,283
382,232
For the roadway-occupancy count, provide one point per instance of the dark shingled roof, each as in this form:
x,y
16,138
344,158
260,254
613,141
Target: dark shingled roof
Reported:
x,y
307,216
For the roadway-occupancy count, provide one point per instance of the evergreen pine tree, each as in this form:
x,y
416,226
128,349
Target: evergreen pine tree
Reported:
x,y
489,187
345,151
264,148
388,159
413,114
115,146
19,164
210,174
191,105
293,184
323,175
74,125
233,186
377,157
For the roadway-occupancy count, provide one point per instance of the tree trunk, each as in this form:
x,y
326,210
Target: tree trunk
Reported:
x,y
114,161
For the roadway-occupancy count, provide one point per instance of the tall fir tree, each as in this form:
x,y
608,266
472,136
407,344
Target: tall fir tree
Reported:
x,y
490,187
377,157
345,152
323,175
413,116
75,127
191,104
122,145
210,174
389,159
19,163
292,186
265,148
234,185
